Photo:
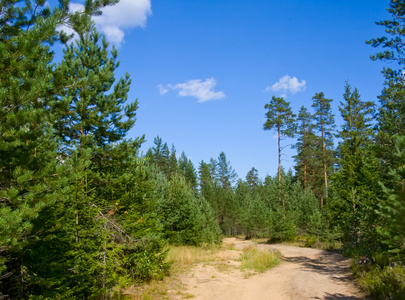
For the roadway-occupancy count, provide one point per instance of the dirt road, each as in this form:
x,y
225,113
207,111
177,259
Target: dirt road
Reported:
x,y
303,274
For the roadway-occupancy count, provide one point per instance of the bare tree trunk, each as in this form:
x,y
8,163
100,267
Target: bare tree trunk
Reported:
x,y
279,156
325,171
279,167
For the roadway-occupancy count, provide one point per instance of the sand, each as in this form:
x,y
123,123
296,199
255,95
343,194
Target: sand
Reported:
x,y
304,273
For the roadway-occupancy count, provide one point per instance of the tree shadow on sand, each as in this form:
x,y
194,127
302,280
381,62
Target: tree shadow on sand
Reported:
x,y
338,296
331,264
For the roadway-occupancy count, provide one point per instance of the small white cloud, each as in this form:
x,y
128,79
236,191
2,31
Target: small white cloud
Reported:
x,y
287,84
162,89
202,90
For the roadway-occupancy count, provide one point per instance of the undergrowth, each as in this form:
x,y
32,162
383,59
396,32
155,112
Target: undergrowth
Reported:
x,y
180,258
381,282
259,260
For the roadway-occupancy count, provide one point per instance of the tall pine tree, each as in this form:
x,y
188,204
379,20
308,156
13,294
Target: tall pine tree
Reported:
x,y
280,118
325,124
306,146
356,180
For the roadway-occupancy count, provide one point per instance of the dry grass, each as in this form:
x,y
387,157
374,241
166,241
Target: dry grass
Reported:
x,y
182,258
259,260
260,240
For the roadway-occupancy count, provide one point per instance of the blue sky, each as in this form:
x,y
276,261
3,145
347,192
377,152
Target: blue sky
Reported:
x,y
202,70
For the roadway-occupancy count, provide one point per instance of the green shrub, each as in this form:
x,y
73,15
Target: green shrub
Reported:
x,y
382,283
311,240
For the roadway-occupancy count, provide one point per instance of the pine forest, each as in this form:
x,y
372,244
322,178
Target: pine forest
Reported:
x,y
85,214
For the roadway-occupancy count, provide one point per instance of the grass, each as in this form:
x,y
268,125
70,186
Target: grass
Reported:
x,y
381,282
310,241
182,258
259,260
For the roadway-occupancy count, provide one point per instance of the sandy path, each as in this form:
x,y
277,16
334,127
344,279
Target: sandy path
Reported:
x,y
304,274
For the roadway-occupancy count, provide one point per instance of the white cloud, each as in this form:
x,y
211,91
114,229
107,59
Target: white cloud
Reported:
x,y
73,7
202,90
76,7
162,89
113,34
126,14
287,84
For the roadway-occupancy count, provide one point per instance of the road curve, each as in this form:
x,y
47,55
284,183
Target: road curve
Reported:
x,y
303,274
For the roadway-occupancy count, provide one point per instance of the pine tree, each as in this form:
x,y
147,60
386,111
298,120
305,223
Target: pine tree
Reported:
x,y
391,113
92,110
391,126
32,173
225,172
173,166
281,119
160,155
186,168
252,178
27,148
356,180
325,124
392,208
306,146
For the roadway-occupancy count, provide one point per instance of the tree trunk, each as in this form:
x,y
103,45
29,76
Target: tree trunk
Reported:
x,y
279,167
279,156
325,171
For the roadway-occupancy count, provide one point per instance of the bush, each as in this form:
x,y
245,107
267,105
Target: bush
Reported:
x,y
382,283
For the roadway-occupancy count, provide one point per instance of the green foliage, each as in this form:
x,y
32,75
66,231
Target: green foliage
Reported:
x,y
307,142
187,219
325,124
216,181
90,109
78,216
224,172
392,209
355,184
382,283
259,260
279,117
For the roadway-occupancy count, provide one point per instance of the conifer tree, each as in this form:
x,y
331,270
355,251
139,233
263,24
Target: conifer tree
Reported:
x,y
173,166
392,208
281,119
225,172
391,114
31,176
391,126
92,110
252,178
306,146
356,181
325,124
27,147
186,168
